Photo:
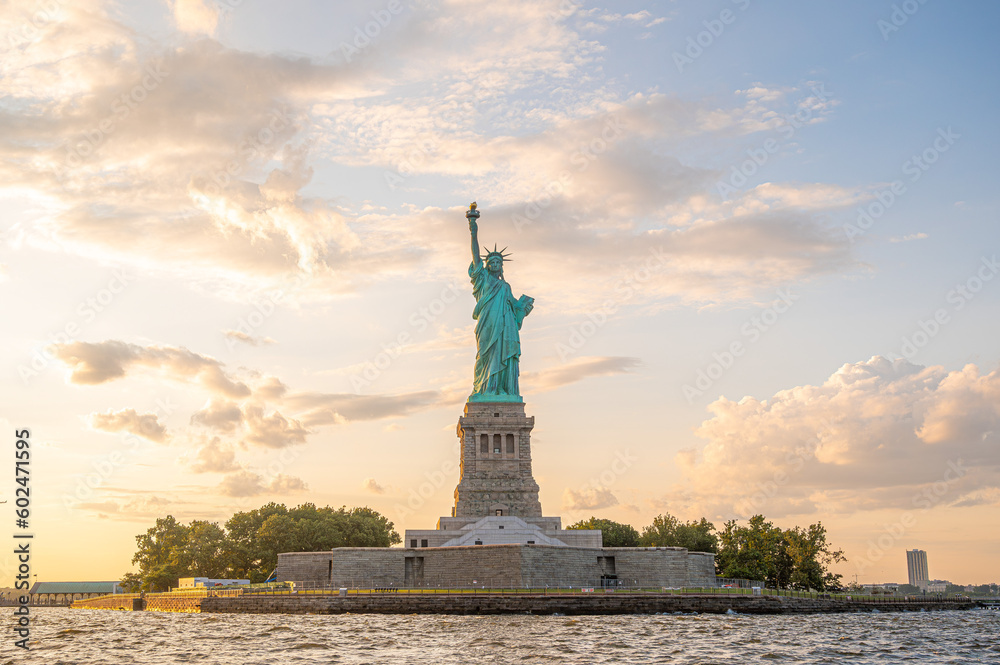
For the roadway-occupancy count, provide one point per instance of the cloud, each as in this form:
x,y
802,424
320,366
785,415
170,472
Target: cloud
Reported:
x,y
250,420
333,409
239,336
591,498
96,363
877,434
137,508
115,104
578,370
372,486
271,388
284,484
243,483
246,483
984,497
237,178
145,425
271,431
195,16
215,457
220,415
235,408
909,237
100,506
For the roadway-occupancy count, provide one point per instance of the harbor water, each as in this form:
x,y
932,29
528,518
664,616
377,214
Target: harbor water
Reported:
x,y
61,636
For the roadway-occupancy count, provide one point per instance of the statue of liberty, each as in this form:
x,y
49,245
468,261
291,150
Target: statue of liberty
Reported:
x,y
499,316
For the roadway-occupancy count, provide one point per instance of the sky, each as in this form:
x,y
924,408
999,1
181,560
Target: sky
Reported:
x,y
761,239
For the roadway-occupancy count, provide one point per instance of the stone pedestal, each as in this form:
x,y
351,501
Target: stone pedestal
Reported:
x,y
495,474
496,501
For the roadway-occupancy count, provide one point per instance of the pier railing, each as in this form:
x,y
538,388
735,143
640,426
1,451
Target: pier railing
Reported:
x,y
730,587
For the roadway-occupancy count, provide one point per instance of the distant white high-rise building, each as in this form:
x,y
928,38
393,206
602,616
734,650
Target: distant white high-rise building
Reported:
x,y
916,567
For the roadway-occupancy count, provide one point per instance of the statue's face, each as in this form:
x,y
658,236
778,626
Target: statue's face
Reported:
x,y
494,263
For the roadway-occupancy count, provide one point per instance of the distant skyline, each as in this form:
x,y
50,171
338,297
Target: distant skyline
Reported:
x,y
761,238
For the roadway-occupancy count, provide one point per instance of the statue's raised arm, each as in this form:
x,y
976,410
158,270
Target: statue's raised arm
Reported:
x,y
472,215
498,318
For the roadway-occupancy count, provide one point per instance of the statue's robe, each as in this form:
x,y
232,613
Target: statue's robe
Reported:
x,y
499,316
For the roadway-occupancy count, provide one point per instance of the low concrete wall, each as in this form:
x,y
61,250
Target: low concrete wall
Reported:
x,y
152,602
119,601
597,603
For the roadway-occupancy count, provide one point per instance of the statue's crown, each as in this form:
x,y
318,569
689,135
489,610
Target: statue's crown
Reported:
x,y
499,253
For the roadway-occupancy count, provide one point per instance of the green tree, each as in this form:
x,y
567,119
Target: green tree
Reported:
x,y
613,534
753,552
279,533
795,558
368,528
667,531
249,545
242,553
158,554
203,554
131,583
810,556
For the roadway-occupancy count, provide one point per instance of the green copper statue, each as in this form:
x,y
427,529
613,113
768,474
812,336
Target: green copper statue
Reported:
x,y
499,318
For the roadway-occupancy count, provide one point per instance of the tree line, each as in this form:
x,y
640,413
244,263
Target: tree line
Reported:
x,y
247,546
795,558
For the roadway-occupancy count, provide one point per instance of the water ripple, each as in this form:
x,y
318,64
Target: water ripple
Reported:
x,y
86,637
